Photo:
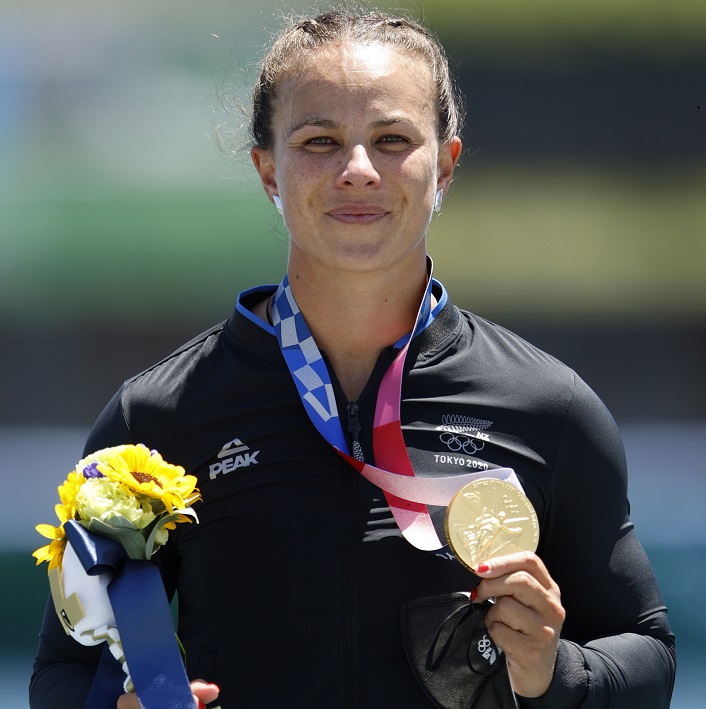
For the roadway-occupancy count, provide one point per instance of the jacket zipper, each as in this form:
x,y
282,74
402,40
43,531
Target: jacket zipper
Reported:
x,y
354,430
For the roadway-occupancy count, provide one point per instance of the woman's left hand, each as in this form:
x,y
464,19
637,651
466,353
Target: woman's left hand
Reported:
x,y
525,620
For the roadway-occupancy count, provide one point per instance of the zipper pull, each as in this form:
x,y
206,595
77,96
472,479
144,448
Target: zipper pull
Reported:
x,y
354,429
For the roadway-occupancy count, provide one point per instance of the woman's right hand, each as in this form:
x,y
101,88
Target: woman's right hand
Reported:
x,y
204,693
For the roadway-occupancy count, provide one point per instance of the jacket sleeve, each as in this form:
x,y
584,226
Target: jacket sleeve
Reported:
x,y
617,649
63,668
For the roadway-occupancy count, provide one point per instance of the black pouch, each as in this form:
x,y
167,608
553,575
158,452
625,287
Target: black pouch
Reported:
x,y
452,655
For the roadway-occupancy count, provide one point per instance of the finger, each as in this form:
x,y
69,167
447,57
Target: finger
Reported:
x,y
512,563
520,590
128,701
521,585
205,692
522,633
514,616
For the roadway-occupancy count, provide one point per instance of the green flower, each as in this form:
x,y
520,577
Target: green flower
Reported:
x,y
103,499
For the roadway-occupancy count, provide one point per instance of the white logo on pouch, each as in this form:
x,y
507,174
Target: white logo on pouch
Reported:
x,y
485,648
234,454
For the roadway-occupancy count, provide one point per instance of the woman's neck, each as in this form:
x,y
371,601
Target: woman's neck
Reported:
x,y
354,316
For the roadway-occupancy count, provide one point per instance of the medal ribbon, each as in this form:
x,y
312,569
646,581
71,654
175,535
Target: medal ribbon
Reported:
x,y
407,495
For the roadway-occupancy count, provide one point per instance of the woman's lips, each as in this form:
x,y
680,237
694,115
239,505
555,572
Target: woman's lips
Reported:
x,y
357,213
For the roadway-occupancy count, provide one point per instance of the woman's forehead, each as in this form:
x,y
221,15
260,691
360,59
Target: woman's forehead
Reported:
x,y
372,59
354,77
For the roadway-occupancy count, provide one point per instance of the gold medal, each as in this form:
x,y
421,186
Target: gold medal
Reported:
x,y
489,518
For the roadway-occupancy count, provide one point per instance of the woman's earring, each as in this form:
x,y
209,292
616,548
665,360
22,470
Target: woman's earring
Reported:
x,y
438,200
278,203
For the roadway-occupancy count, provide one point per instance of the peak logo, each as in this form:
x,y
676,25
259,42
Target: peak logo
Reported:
x,y
234,454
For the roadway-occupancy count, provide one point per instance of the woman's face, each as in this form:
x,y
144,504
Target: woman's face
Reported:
x,y
356,160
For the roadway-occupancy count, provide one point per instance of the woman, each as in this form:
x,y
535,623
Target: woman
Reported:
x,y
291,585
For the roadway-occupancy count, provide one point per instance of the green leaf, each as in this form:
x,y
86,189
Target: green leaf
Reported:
x,y
120,522
149,547
133,542
181,648
104,527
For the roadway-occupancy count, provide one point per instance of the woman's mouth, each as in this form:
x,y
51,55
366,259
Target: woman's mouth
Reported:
x,y
357,213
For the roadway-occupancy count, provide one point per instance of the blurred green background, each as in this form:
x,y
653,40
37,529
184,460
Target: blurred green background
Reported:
x,y
578,219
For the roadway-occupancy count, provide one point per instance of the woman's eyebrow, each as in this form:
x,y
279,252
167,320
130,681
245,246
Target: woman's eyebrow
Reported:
x,y
314,122
391,121
332,125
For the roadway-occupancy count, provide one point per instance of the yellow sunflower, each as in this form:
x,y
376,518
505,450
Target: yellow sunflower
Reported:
x,y
65,511
146,473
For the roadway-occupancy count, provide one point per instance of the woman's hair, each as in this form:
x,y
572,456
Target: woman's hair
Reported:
x,y
363,26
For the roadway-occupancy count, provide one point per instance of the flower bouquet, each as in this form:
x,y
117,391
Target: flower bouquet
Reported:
x,y
116,510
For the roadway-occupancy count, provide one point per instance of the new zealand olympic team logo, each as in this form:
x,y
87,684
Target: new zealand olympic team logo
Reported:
x,y
463,433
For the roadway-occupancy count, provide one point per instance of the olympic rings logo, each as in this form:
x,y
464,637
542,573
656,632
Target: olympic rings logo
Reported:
x,y
458,442
484,644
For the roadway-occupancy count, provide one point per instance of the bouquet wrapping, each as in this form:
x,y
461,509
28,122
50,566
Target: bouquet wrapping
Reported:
x,y
116,510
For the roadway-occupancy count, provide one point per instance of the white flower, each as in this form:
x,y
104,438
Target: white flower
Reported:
x,y
101,498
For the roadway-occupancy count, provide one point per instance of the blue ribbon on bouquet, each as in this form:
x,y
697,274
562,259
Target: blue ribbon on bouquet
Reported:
x,y
144,622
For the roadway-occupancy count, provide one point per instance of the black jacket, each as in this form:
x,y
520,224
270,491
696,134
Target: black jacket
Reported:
x,y
290,586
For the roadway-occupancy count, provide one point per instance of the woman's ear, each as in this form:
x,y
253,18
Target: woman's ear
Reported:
x,y
449,153
264,163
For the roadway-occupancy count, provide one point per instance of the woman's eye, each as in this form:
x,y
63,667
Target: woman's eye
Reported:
x,y
320,142
393,142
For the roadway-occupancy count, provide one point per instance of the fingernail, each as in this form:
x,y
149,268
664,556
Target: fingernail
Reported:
x,y
482,568
474,594
201,705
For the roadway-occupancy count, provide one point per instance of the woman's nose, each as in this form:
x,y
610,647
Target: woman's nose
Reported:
x,y
358,169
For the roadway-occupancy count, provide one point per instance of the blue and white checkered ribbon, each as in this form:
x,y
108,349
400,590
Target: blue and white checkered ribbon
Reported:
x,y
307,365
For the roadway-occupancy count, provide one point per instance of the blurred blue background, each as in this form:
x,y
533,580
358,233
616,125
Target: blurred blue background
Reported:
x,y
130,218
